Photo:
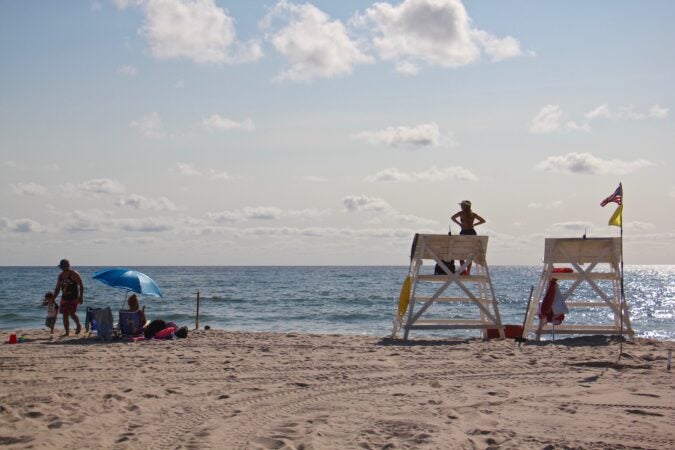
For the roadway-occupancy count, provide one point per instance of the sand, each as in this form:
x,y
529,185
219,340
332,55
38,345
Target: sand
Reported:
x,y
227,390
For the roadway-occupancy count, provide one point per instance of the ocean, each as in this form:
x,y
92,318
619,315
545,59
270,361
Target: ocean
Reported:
x,y
335,299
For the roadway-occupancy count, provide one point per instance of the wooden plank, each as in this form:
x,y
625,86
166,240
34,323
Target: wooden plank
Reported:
x,y
444,278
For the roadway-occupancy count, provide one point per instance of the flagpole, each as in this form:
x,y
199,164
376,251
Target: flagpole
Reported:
x,y
623,298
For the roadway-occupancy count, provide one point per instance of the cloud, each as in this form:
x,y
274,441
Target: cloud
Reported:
x,y
585,163
555,204
432,32
28,188
308,213
80,221
139,202
261,213
19,225
199,31
150,126
246,213
364,203
551,119
127,71
216,122
572,227
23,166
102,186
418,136
145,225
432,174
189,170
313,45
382,212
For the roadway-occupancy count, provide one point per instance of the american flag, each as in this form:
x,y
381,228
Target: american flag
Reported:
x,y
616,197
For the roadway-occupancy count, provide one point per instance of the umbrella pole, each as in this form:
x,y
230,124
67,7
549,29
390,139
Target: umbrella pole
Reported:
x,y
197,315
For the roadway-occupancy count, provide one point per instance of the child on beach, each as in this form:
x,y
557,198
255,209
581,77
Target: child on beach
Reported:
x,y
52,310
133,306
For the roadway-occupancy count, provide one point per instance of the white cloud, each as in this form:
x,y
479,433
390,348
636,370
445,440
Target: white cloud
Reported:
x,y
189,170
586,163
196,30
225,216
672,192
80,221
145,225
150,126
246,213
434,32
102,186
364,203
216,122
24,166
555,204
313,45
261,213
551,118
658,112
28,188
309,213
140,202
127,71
432,174
418,136
578,227
639,226
19,225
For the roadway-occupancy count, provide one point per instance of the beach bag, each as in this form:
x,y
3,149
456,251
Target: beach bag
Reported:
x,y
438,270
104,321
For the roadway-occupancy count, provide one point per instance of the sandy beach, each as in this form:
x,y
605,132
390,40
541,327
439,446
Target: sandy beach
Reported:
x,y
219,389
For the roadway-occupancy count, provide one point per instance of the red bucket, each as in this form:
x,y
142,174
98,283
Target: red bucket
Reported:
x,y
12,338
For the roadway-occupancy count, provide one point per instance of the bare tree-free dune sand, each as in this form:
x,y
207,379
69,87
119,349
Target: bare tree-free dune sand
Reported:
x,y
227,390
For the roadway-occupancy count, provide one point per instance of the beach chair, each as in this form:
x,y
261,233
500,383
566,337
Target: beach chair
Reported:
x,y
130,322
102,318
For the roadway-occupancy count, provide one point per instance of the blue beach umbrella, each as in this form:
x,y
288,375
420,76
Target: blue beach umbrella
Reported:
x,y
129,280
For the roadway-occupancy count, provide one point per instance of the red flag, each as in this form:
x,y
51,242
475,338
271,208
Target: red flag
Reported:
x,y
616,197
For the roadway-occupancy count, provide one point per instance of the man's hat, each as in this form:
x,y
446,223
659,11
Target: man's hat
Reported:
x,y
64,264
465,202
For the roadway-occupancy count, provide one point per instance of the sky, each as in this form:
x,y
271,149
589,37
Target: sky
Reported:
x,y
211,132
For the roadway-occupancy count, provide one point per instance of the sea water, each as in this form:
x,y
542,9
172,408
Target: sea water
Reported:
x,y
341,299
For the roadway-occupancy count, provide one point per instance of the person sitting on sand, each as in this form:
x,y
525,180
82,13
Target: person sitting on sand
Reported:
x,y
467,220
52,310
69,283
133,306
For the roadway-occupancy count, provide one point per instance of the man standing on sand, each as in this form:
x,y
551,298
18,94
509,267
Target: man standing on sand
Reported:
x,y
69,283
467,221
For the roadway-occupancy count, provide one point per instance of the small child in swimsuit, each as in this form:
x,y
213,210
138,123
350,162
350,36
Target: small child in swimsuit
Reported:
x,y
52,310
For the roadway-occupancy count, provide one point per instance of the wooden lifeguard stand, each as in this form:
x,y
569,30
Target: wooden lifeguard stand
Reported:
x,y
475,289
601,258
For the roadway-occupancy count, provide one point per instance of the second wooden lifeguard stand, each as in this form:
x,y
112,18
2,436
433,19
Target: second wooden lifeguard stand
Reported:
x,y
595,266
474,292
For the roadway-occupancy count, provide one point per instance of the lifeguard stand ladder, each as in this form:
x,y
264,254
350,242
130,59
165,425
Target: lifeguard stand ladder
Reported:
x,y
602,257
475,288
